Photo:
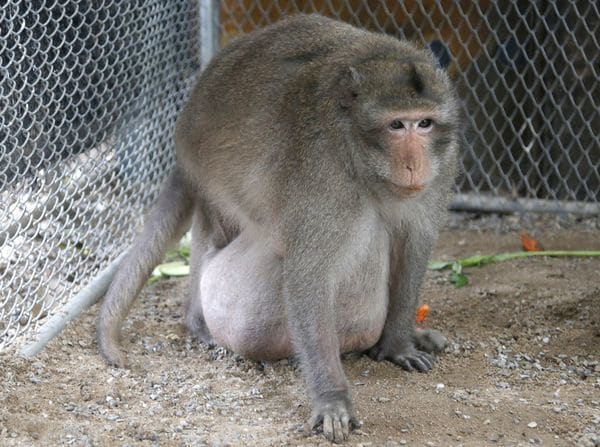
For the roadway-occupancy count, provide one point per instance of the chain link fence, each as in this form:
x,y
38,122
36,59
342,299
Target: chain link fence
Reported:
x,y
89,94
90,91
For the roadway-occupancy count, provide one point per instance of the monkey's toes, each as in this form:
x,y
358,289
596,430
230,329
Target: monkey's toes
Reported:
x,y
409,360
414,361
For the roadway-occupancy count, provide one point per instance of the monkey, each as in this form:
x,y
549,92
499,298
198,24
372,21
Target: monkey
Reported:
x,y
315,162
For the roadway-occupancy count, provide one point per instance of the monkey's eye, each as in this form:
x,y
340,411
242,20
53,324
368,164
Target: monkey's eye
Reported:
x,y
424,124
396,125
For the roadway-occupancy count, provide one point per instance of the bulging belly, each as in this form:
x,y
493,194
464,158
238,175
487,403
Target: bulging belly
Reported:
x,y
244,309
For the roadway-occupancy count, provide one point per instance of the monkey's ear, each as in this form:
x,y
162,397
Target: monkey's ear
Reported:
x,y
349,86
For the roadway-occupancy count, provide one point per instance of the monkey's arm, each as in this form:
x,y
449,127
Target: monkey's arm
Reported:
x,y
315,234
399,342
310,310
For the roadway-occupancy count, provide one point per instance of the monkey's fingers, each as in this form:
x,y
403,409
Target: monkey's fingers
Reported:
x,y
335,422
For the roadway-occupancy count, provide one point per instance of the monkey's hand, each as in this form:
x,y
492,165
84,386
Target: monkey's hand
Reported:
x,y
334,415
402,353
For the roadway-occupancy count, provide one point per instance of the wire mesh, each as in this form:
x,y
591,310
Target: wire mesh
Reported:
x,y
90,91
529,76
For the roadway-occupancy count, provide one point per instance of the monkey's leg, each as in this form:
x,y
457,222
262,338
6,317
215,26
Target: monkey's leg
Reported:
x,y
209,236
399,342
166,223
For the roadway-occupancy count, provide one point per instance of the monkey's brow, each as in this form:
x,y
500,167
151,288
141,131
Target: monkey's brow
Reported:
x,y
416,113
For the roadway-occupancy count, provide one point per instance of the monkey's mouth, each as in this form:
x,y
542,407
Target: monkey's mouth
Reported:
x,y
406,190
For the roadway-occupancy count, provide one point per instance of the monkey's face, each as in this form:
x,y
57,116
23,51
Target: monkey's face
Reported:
x,y
400,150
404,118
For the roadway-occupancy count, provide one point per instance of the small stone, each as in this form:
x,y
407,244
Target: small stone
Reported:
x,y
532,424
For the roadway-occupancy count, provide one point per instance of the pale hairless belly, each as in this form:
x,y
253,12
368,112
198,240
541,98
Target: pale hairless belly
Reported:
x,y
244,308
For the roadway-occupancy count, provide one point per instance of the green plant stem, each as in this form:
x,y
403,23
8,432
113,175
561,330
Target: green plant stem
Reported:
x,y
479,260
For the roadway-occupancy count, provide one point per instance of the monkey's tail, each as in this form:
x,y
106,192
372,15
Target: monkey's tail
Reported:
x,y
167,222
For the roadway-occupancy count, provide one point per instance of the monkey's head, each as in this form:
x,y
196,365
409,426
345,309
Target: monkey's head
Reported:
x,y
403,117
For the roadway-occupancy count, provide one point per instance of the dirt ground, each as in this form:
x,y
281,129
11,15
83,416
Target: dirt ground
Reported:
x,y
522,366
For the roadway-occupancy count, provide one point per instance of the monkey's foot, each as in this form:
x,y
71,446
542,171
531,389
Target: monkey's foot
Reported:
x,y
197,326
335,418
410,359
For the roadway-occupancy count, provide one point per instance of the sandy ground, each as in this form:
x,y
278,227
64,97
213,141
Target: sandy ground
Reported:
x,y
522,367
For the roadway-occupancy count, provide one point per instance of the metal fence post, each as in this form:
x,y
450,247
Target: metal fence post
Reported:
x,y
209,30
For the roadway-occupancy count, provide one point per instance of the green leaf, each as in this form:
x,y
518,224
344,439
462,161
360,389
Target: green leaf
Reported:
x,y
177,268
457,267
439,265
458,279
184,251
